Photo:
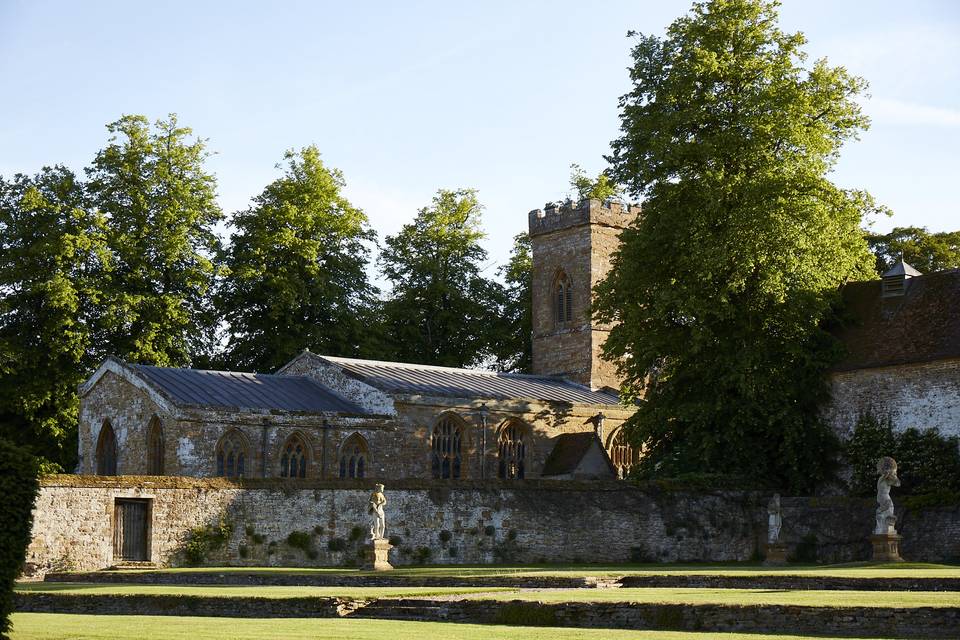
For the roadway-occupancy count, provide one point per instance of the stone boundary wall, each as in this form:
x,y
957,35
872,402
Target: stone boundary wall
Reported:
x,y
459,523
926,622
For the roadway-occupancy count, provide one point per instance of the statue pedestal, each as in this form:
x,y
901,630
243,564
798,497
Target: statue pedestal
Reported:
x,y
377,556
886,547
776,554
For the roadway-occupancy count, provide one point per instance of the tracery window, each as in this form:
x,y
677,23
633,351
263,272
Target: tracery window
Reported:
x,y
231,455
106,451
562,299
354,456
512,451
446,446
622,454
293,458
155,447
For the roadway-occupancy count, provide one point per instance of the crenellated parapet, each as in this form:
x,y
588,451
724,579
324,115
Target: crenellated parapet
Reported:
x,y
590,211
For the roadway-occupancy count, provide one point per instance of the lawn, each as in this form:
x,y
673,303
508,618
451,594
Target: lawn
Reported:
x,y
236,591
850,570
52,626
809,598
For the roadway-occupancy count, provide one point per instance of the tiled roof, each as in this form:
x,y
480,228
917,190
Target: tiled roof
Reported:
x,y
920,326
230,389
567,453
398,377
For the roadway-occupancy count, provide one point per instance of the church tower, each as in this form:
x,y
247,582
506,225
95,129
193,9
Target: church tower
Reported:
x,y
572,246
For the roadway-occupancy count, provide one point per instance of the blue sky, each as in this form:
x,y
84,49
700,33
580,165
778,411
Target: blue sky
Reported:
x,y
409,97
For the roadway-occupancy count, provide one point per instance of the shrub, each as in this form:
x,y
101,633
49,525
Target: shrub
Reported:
x,y
318,529
445,536
202,540
299,540
512,534
336,544
356,533
257,538
19,486
396,541
422,554
250,531
489,530
243,551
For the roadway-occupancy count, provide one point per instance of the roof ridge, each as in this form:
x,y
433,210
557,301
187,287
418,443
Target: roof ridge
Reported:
x,y
433,367
220,371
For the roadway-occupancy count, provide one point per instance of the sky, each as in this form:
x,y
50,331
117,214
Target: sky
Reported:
x,y
406,98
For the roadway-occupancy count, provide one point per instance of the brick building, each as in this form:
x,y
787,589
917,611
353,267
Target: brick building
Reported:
x,y
328,418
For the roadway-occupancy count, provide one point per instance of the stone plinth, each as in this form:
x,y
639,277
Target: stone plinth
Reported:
x,y
886,547
776,554
377,556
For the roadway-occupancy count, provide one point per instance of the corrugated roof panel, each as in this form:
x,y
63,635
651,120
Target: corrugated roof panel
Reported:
x,y
397,377
230,389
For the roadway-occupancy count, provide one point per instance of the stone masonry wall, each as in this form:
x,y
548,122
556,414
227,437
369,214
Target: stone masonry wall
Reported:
x,y
922,396
467,522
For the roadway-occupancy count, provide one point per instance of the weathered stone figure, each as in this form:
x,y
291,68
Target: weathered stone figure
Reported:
x,y
886,521
378,523
774,520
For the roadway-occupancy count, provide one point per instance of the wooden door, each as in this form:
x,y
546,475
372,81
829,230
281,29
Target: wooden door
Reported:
x,y
130,530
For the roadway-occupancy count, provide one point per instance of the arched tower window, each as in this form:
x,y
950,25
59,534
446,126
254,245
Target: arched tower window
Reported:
x,y
106,451
622,454
562,299
231,455
354,457
512,451
446,448
293,457
155,447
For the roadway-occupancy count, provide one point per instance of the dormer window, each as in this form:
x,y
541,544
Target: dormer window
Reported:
x,y
562,300
895,280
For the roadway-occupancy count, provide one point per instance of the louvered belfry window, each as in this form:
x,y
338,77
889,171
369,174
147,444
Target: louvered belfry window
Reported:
x,y
293,459
512,452
446,446
354,455
563,300
622,454
231,455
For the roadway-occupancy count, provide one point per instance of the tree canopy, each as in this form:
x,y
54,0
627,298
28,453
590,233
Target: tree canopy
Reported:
x,y
297,271
160,206
514,349
720,289
441,310
922,249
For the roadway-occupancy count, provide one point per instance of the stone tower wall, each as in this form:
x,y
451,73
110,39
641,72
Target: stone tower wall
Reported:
x,y
577,241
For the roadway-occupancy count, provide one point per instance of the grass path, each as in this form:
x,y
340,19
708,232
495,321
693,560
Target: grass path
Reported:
x,y
81,588
850,570
52,626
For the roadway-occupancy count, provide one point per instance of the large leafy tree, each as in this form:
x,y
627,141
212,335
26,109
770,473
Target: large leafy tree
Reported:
x,y
721,287
515,348
160,205
926,251
441,309
52,261
297,271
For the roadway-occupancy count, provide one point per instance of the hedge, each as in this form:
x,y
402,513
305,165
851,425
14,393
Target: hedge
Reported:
x,y
19,485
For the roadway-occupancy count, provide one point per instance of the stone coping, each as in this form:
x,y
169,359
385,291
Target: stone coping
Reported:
x,y
794,582
927,622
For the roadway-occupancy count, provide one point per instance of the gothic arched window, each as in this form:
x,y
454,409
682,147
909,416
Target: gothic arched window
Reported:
x,y
512,451
622,454
293,458
155,447
231,455
106,451
354,457
562,299
446,446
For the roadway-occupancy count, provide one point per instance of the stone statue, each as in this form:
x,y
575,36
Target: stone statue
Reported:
x,y
378,522
887,468
775,519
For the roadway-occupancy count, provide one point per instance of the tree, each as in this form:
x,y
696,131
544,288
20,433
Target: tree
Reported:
x,y
161,208
297,270
926,251
721,288
586,188
515,348
19,485
52,261
441,310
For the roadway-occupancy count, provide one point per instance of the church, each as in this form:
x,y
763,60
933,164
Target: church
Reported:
x,y
329,418
326,417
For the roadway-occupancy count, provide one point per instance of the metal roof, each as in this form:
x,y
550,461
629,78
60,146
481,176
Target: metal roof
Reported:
x,y
229,389
399,377
901,269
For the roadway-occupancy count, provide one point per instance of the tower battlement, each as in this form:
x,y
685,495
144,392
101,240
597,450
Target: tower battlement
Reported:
x,y
557,216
